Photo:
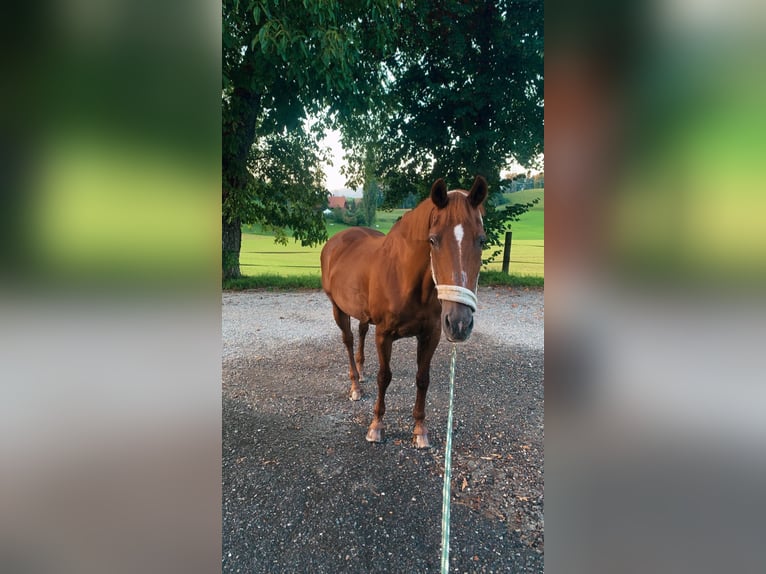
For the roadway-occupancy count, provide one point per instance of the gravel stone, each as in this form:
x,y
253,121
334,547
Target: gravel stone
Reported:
x,y
304,492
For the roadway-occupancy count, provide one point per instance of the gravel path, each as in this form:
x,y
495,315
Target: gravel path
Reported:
x,y
304,492
267,320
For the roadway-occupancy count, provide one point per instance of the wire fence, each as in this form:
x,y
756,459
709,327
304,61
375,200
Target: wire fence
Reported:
x,y
281,260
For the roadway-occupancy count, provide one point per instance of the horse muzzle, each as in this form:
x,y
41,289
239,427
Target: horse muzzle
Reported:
x,y
457,321
458,305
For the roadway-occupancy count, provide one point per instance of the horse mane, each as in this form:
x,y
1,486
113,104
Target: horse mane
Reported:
x,y
414,224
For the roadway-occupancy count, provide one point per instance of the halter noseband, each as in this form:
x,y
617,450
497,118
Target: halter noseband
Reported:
x,y
454,293
457,294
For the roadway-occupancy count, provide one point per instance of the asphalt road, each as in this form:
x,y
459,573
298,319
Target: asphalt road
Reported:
x,y
304,492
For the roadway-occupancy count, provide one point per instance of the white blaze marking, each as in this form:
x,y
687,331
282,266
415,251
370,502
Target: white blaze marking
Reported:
x,y
459,233
459,238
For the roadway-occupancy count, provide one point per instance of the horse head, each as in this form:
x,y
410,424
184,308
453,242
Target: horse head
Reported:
x,y
456,234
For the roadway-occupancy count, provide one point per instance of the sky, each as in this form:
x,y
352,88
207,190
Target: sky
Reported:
x,y
334,179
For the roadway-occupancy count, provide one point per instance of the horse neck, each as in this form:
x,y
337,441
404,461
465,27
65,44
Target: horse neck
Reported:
x,y
412,229
409,239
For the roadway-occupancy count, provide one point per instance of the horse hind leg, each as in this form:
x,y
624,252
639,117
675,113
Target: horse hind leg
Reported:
x,y
344,322
384,344
363,328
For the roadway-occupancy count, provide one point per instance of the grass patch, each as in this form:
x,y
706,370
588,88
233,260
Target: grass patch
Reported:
x,y
273,281
259,255
527,195
261,259
531,225
498,278
287,282
527,257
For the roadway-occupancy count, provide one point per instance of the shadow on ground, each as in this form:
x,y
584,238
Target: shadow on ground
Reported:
x,y
304,492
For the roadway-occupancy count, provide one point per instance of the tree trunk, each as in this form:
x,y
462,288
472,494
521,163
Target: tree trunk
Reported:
x,y
238,137
232,240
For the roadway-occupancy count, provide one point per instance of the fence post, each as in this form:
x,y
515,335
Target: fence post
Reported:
x,y
507,252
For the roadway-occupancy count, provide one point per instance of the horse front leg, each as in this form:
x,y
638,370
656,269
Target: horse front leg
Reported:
x,y
383,343
427,344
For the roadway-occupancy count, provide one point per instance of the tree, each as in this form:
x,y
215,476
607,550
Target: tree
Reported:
x,y
282,63
466,98
420,89
370,192
287,173
351,214
370,195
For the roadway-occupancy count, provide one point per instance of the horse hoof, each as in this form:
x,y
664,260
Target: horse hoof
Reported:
x,y
355,395
421,441
374,435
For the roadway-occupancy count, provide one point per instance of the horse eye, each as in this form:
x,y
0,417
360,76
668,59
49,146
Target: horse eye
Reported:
x,y
483,240
433,240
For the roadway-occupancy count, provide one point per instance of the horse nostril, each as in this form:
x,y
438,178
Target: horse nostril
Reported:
x,y
470,325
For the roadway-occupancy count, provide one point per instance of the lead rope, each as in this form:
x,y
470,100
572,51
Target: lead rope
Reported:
x,y
448,467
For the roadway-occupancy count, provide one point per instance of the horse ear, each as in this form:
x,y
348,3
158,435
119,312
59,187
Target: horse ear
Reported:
x,y
478,191
439,193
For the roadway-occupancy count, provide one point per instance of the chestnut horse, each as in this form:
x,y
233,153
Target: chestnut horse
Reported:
x,y
417,280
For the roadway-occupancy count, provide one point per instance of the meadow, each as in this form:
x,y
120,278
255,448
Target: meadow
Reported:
x,y
260,255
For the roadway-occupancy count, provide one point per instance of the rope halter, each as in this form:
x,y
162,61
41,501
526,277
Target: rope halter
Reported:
x,y
458,295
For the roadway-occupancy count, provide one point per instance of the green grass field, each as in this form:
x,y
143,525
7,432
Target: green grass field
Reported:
x,y
528,239
532,223
261,256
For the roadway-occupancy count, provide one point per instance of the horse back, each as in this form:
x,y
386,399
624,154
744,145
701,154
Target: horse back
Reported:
x,y
346,260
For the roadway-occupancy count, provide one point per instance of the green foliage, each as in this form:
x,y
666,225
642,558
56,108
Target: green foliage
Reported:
x,y
352,215
464,96
289,186
283,62
500,199
371,193
420,89
469,104
337,215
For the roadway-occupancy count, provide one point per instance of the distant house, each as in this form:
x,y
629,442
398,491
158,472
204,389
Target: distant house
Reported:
x,y
336,201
